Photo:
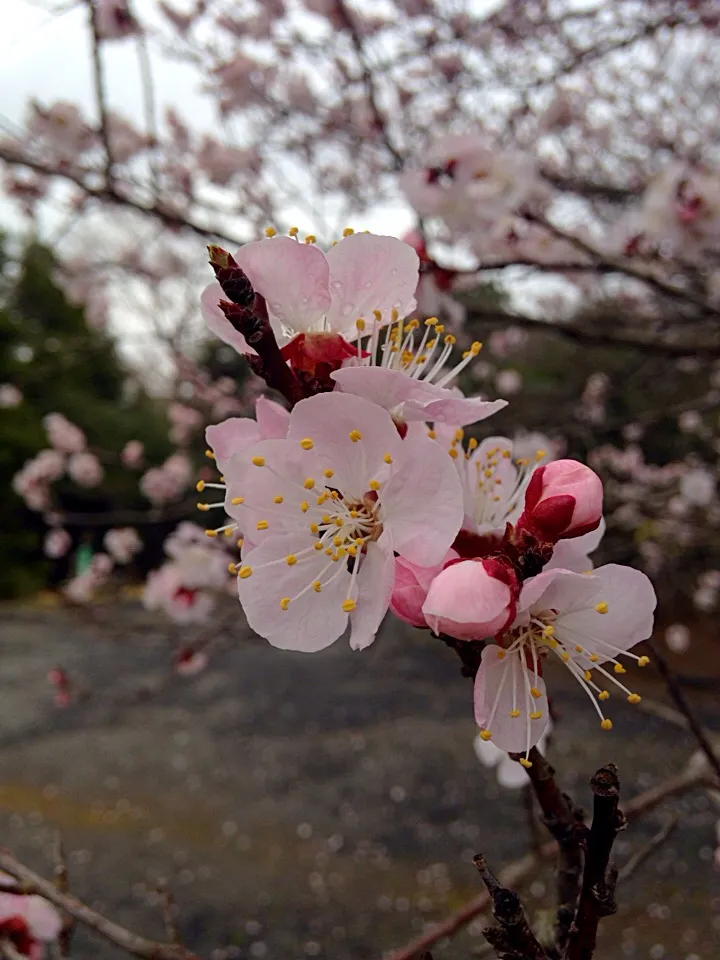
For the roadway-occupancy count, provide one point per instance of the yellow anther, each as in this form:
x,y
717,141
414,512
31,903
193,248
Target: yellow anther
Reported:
x,y
432,434
548,631
203,506
472,443
535,692
593,658
453,453
318,545
329,551
291,559
378,315
338,541
322,498
200,486
354,514
606,724
619,668
348,605
245,572
211,533
309,483
604,695
506,454
314,528
310,238
578,648
515,713
439,329
317,586
450,340
601,607
525,763
485,735
412,325
326,518
634,698
431,321
348,232
355,435
643,661
306,443
536,715
564,656
240,542
304,506
270,231
539,454
501,654
258,461
588,676
360,324
229,531
340,553
210,454
285,603
262,525
339,521
328,473
236,501
294,231
231,567
278,499
475,348
374,484
352,550
459,434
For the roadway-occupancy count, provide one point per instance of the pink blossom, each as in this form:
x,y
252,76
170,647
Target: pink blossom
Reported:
x,y
56,543
222,163
167,482
32,482
563,499
587,621
189,662
697,487
343,484
37,921
10,396
677,638
308,291
410,588
122,544
233,436
125,141
114,21
85,469
184,422
132,453
63,435
472,599
509,381
166,591
61,129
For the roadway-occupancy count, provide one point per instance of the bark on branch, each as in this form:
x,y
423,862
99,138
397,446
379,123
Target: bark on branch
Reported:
x,y
512,939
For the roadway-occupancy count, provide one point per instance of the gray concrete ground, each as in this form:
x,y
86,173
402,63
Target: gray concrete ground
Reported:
x,y
310,806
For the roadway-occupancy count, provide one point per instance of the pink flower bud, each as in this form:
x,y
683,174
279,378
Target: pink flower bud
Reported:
x,y
411,588
472,599
563,499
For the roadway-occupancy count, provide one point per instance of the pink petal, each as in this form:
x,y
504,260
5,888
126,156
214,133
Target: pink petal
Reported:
x,y
367,273
292,277
560,590
501,685
450,409
230,437
374,587
422,502
467,603
313,621
272,419
217,321
43,919
329,419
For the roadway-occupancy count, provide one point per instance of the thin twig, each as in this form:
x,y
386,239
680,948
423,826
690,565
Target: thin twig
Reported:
x,y
100,93
683,705
32,883
641,855
519,871
512,938
62,884
597,896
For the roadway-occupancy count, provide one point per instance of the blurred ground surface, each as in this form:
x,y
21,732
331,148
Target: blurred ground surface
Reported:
x,y
311,806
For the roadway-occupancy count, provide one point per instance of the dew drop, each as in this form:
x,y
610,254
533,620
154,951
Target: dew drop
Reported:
x,y
337,284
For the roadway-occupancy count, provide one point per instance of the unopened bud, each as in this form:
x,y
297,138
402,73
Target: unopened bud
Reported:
x,y
233,280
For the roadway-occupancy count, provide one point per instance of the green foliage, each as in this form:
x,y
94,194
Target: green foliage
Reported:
x,y
60,365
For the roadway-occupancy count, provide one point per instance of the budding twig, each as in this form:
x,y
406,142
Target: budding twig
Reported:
x,y
512,938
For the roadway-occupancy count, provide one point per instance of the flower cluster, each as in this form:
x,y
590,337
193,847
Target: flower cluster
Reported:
x,y
367,496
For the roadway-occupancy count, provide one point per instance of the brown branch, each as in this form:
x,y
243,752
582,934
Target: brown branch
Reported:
x,y
683,704
641,855
111,194
100,93
597,896
32,883
520,870
564,820
512,939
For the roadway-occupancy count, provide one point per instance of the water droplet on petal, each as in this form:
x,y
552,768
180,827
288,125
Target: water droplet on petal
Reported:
x,y
368,284
304,300
337,284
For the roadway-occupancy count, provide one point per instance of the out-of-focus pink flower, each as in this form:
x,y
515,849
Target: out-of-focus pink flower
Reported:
x,y
308,291
56,543
509,381
32,482
410,589
168,481
165,590
28,922
113,20
563,499
472,599
61,129
189,662
85,469
125,140
697,487
184,422
677,638
63,435
132,454
122,543
10,396
221,163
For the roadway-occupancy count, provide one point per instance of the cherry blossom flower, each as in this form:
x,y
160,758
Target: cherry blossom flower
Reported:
x,y
27,921
10,396
510,774
132,453
409,379
85,469
563,499
237,433
122,543
308,291
63,435
410,588
56,543
697,487
588,622
32,482
472,599
323,512
677,638
167,482
165,590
